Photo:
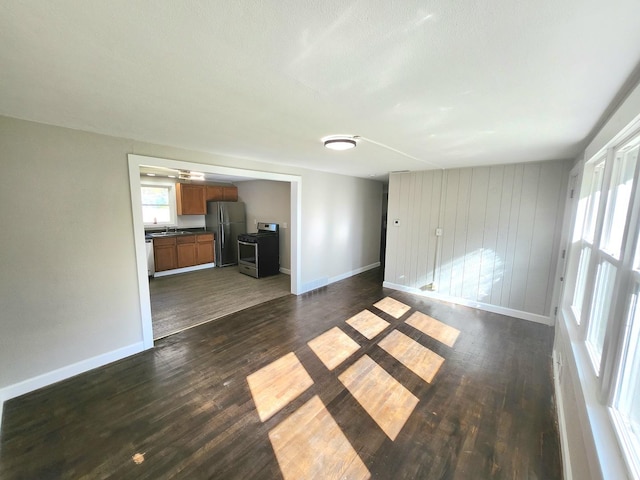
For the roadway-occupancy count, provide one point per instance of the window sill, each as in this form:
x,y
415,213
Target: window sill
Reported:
x,y
600,439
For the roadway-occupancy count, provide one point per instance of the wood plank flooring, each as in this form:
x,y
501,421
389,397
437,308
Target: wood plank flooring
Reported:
x,y
188,299
185,409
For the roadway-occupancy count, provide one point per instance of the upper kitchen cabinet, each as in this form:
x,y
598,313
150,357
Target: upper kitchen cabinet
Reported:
x,y
190,199
219,193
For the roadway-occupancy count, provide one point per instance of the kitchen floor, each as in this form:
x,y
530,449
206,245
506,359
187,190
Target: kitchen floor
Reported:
x,y
188,299
352,380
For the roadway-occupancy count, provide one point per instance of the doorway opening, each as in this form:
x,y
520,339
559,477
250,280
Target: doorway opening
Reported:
x,y
138,161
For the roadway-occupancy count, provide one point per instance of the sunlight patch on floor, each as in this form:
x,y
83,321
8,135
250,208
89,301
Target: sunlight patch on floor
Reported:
x,y
387,402
310,444
434,328
273,387
393,307
368,324
417,358
333,347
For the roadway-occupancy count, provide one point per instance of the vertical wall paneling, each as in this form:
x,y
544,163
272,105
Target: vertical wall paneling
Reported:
x,y
491,265
461,208
437,275
555,203
512,234
542,239
524,239
414,247
393,207
449,226
504,219
433,223
500,233
473,257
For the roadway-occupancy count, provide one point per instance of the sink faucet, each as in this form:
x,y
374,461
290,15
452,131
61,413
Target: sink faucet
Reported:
x,y
166,229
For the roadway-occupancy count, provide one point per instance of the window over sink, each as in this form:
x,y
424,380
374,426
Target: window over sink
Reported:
x,y
158,205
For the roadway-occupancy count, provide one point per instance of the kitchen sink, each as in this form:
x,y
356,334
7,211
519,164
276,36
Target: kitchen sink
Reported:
x,y
170,234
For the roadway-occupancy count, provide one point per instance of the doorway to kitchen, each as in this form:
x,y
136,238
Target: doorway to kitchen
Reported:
x,y
138,161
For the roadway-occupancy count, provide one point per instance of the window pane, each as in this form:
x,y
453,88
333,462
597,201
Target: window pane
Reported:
x,y
627,402
600,311
157,205
636,261
581,281
618,200
156,214
155,195
593,201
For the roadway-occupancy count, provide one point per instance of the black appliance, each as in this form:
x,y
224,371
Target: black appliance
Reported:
x,y
259,253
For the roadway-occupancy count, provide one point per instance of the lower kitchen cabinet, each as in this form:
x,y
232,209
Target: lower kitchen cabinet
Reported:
x,y
164,254
204,248
183,251
186,251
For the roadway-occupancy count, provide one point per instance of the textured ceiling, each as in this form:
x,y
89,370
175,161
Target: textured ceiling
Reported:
x,y
429,84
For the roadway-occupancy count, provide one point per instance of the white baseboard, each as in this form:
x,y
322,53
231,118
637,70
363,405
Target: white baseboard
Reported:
x,y
562,423
166,273
323,282
34,383
532,317
286,271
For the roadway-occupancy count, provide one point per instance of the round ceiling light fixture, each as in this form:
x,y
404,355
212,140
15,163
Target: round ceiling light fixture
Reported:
x,y
340,142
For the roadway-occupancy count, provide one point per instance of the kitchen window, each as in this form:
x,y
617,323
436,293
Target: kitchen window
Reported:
x,y
158,205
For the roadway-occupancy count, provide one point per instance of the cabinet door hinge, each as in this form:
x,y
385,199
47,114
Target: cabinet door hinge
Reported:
x,y
564,252
555,311
571,193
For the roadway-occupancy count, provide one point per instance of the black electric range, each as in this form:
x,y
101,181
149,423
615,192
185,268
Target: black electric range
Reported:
x,y
259,253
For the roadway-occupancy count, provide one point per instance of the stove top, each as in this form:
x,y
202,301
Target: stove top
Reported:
x,y
264,230
259,234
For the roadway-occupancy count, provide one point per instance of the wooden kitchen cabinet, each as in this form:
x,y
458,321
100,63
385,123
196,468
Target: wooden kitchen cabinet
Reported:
x,y
220,193
230,194
164,254
213,193
183,251
190,199
204,248
186,251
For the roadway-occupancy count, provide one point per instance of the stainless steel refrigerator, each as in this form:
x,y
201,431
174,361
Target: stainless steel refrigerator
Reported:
x,y
226,220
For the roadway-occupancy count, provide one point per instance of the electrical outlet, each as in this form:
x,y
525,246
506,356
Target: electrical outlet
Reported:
x,y
285,225
438,232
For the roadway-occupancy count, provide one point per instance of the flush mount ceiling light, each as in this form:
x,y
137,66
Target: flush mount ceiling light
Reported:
x,y
189,175
340,142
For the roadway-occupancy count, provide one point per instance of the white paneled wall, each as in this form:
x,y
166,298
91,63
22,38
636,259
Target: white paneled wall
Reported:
x,y
500,233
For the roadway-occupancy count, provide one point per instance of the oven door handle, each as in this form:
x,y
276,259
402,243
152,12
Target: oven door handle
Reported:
x,y
250,244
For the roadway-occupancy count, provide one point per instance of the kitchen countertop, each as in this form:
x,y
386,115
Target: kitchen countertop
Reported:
x,y
149,235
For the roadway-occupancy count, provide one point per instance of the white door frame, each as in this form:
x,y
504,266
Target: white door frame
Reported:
x,y
136,161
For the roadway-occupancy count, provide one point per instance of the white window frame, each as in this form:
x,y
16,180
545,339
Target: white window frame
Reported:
x,y
173,217
600,380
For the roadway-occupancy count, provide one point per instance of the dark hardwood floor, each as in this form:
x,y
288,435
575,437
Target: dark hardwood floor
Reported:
x,y
185,408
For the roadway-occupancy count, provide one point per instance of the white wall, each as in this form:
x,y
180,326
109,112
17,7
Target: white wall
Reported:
x,y
269,201
68,281
501,228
